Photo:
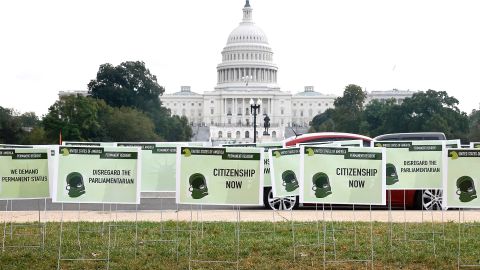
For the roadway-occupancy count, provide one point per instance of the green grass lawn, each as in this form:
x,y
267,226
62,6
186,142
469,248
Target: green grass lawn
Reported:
x,y
262,245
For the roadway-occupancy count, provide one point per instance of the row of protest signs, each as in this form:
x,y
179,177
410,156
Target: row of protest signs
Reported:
x,y
413,165
338,173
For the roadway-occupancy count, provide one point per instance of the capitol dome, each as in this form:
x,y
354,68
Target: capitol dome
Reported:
x,y
247,57
247,32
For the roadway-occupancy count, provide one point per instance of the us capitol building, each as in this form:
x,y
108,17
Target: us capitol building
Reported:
x,y
248,73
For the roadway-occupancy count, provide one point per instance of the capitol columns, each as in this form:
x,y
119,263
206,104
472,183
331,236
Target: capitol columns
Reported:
x,y
234,113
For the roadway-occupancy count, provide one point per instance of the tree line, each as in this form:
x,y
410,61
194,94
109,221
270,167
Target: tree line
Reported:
x,y
425,111
122,105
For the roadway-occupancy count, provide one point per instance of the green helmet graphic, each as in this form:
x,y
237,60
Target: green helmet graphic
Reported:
x,y
391,173
321,185
198,186
289,180
75,185
466,189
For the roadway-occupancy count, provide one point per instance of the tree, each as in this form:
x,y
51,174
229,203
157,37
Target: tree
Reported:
x,y
35,137
348,109
435,111
87,119
77,117
432,111
474,125
376,117
323,122
347,114
16,128
29,120
129,125
353,98
10,128
178,129
424,111
129,84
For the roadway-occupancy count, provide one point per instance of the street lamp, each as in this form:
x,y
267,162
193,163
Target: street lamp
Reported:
x,y
254,109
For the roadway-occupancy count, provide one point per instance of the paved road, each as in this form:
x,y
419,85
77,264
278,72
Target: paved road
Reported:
x,y
245,215
152,204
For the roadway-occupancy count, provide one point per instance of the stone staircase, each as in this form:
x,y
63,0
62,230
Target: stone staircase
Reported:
x,y
200,134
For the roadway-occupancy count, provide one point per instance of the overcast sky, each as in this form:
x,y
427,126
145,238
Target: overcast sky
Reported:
x,y
48,46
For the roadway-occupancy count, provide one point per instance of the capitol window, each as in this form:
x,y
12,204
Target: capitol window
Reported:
x,y
247,134
220,134
211,111
229,135
211,101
